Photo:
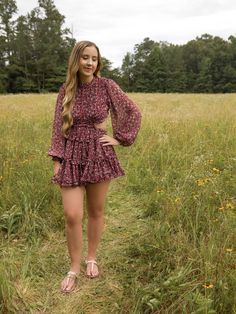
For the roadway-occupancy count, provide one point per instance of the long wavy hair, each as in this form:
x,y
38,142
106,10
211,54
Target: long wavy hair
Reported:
x,y
73,80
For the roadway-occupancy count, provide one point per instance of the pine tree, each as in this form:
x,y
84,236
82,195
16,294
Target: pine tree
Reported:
x,y
7,9
156,71
204,80
50,45
141,53
127,72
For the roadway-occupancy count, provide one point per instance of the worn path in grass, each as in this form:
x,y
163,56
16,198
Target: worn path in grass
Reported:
x,y
100,295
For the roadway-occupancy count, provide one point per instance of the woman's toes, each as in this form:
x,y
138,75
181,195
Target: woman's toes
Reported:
x,y
67,284
92,270
64,284
95,271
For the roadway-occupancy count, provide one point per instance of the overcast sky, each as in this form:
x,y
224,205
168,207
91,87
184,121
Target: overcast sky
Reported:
x,y
117,25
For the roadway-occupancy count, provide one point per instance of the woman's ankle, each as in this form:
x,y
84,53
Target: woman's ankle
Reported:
x,y
75,268
91,257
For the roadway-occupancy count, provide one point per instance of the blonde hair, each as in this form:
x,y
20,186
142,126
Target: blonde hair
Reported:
x,y
72,82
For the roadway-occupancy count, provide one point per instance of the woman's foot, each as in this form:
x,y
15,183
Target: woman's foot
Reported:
x,y
92,268
69,282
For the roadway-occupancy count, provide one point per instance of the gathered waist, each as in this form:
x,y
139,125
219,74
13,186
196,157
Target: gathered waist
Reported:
x,y
87,125
84,124
85,131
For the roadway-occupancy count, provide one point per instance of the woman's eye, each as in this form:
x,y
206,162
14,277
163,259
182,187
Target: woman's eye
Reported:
x,y
86,58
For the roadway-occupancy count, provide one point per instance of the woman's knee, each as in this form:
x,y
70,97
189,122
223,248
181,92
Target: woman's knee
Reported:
x,y
73,204
96,212
73,217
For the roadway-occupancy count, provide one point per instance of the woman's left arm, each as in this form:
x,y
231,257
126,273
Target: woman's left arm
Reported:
x,y
125,115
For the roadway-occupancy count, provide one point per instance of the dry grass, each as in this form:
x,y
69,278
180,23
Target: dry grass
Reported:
x,y
168,244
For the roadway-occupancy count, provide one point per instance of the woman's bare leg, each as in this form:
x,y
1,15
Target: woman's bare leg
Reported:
x,y
72,199
96,197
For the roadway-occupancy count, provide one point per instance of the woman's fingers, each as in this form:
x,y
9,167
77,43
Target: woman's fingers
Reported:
x,y
108,140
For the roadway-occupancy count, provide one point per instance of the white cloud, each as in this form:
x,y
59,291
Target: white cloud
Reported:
x,y
189,8
117,25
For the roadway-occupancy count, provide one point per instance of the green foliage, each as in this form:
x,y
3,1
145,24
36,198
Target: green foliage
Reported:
x,y
108,72
24,220
184,180
168,245
206,65
34,51
34,48
7,304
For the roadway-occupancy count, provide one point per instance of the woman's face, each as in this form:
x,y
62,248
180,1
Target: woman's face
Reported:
x,y
88,63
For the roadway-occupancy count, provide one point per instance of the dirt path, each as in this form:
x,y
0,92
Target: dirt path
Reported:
x,y
104,294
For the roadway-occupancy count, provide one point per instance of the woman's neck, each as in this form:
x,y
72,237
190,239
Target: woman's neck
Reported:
x,y
86,79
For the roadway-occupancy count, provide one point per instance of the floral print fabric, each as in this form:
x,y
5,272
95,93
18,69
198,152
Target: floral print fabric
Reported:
x,y
83,157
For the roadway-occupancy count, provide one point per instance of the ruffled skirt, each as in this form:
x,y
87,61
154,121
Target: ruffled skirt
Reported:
x,y
86,160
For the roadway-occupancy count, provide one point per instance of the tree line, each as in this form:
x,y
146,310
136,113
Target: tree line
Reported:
x,y
34,51
206,64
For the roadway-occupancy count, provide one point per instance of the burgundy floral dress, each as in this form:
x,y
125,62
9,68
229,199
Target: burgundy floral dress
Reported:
x,y
83,157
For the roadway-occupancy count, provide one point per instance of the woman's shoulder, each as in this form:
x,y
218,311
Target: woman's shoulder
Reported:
x,y
62,87
102,80
107,82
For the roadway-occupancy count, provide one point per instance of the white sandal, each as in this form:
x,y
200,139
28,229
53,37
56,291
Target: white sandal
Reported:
x,y
70,275
93,262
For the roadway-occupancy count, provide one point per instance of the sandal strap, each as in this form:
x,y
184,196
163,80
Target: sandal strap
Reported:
x,y
91,261
72,274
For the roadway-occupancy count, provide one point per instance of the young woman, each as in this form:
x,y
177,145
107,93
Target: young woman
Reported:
x,y
84,157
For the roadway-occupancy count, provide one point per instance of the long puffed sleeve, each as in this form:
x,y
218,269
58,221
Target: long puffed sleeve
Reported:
x,y
125,115
58,140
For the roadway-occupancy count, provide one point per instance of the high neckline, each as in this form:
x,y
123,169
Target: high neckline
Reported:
x,y
83,84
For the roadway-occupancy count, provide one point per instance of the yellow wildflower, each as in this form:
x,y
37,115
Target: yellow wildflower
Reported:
x,y
201,182
208,286
229,206
217,171
229,250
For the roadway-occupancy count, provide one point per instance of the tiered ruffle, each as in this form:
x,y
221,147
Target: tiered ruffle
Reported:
x,y
86,160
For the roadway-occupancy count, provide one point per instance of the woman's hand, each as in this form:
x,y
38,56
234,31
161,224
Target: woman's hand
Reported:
x,y
57,166
108,140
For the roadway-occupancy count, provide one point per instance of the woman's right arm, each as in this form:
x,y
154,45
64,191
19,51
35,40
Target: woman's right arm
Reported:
x,y
56,150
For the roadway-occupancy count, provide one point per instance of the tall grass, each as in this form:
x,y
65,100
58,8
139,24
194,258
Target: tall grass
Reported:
x,y
169,244
185,179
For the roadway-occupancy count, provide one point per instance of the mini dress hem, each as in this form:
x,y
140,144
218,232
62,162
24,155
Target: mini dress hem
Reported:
x,y
74,184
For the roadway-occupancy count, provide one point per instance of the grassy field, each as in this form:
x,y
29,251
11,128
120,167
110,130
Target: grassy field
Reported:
x,y
168,244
